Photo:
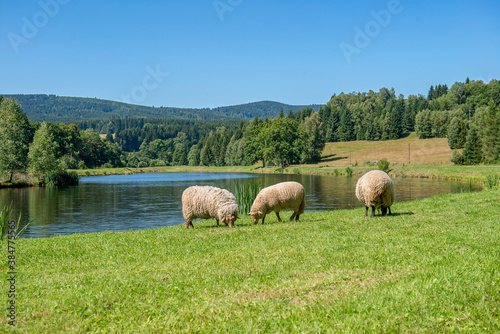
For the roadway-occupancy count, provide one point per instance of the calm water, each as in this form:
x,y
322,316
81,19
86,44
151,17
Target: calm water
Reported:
x,y
144,201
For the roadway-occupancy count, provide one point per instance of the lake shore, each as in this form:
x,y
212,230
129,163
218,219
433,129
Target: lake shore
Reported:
x,y
431,267
477,174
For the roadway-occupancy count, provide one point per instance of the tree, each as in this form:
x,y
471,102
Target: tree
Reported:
x,y
15,135
316,139
457,133
489,131
423,124
284,141
93,151
472,153
194,156
255,141
43,151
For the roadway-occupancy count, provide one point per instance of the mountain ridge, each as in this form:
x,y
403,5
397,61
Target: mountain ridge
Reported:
x,y
65,109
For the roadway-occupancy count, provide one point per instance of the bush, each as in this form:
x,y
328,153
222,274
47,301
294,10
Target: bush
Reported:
x,y
61,179
383,165
348,170
142,164
457,158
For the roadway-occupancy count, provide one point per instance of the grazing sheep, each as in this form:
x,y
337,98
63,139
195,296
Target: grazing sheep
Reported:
x,y
281,196
209,202
375,189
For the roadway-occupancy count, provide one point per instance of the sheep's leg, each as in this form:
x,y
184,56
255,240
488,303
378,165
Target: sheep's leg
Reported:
x,y
263,219
390,213
373,212
278,215
217,222
293,216
187,223
366,211
191,224
297,217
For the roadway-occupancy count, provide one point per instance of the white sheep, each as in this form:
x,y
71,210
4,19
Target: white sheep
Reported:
x,y
209,202
281,196
375,190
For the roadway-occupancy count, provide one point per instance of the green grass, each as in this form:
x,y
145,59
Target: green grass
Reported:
x,y
432,267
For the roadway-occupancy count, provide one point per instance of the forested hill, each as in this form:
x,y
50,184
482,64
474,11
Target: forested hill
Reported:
x,y
52,108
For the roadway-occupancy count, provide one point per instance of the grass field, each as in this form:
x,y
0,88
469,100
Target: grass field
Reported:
x,y
432,267
409,150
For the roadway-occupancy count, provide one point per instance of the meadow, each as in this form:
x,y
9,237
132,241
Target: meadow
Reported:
x,y
431,267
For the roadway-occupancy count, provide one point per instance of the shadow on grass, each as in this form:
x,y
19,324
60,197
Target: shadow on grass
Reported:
x,y
331,157
402,213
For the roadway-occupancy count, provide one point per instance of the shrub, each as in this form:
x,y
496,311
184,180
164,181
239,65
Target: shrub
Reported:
x,y
383,165
457,158
336,171
348,170
61,179
142,164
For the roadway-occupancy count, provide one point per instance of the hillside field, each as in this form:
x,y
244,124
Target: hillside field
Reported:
x,y
409,150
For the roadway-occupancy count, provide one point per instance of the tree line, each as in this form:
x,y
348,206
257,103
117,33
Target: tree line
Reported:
x,y
468,111
467,114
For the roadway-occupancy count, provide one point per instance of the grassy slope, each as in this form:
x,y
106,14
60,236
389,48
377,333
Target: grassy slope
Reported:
x,y
433,267
423,152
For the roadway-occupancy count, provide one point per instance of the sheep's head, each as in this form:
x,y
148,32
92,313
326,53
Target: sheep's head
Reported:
x,y
256,215
229,219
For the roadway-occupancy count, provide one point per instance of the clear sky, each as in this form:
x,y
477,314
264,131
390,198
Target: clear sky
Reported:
x,y
206,53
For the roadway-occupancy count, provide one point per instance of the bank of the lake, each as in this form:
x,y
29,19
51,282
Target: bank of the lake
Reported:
x,y
432,267
477,174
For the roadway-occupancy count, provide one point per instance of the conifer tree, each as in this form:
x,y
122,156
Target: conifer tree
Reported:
x,y
473,152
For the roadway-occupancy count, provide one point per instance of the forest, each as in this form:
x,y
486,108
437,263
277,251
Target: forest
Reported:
x,y
467,114
65,109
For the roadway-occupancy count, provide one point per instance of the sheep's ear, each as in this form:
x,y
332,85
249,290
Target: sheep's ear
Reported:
x,y
259,212
250,213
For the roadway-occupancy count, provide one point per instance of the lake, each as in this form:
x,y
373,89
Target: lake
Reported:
x,y
145,201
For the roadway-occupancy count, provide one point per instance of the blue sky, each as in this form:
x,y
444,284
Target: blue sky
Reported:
x,y
206,53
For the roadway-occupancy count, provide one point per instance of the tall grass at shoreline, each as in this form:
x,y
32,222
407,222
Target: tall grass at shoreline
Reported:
x,y
432,267
245,195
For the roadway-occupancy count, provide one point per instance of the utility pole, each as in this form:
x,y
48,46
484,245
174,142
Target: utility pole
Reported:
x,y
408,152
350,162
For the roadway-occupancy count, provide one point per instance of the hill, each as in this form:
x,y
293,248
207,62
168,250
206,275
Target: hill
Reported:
x,y
40,107
428,152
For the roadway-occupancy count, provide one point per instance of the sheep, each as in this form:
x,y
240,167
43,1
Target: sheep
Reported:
x,y
375,189
281,196
209,202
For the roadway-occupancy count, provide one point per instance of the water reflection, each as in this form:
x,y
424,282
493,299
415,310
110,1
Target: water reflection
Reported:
x,y
141,201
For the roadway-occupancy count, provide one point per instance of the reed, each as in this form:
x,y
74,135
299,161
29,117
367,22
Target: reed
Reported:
x,y
5,220
245,195
492,181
